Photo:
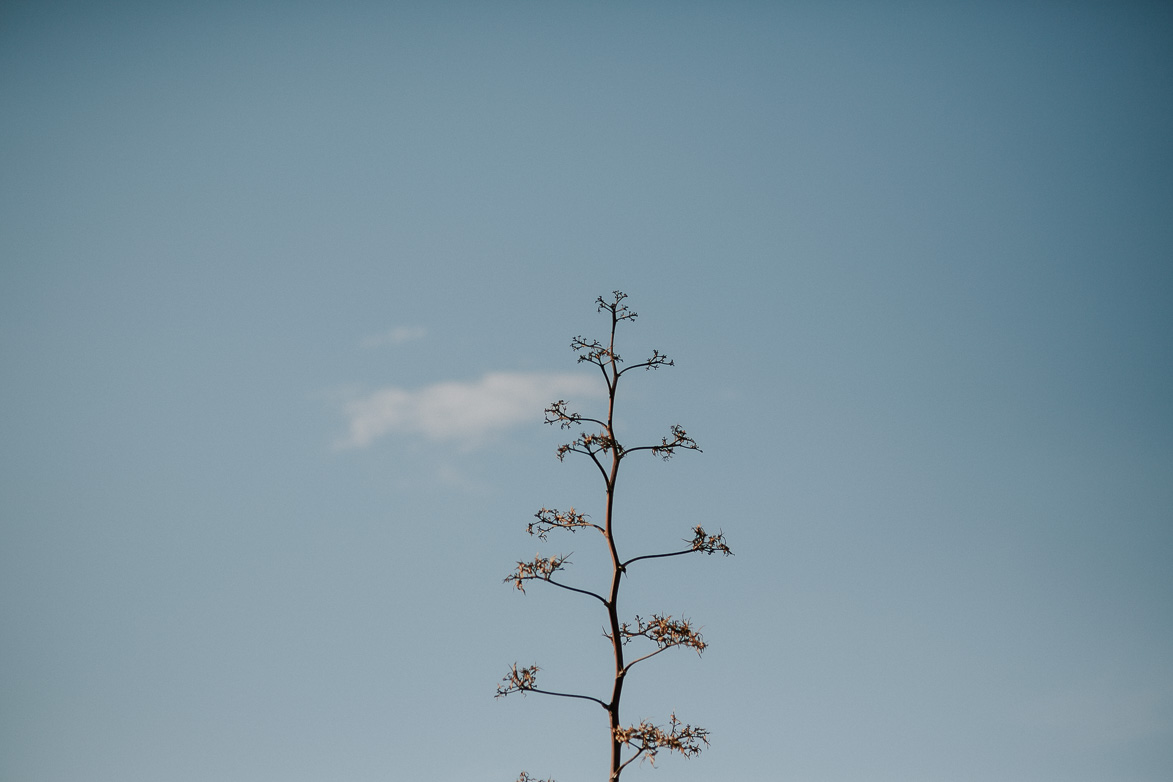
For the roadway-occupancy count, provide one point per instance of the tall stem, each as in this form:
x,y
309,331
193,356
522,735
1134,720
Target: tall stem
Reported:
x,y
616,564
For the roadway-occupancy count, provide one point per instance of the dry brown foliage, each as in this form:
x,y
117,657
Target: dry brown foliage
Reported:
x,y
648,739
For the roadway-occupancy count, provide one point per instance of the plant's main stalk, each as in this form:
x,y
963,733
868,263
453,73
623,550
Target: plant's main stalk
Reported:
x,y
616,562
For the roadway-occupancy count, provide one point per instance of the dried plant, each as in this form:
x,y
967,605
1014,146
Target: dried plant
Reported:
x,y
602,447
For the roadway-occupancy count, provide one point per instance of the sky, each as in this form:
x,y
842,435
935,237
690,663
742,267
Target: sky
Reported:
x,y
284,288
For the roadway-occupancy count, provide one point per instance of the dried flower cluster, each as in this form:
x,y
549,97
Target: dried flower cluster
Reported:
x,y
663,632
709,544
518,680
540,567
648,739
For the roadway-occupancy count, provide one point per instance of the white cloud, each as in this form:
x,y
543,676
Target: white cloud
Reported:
x,y
464,413
396,336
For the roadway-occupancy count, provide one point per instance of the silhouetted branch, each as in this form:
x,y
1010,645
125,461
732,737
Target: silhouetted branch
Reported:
x,y
702,542
550,519
557,413
617,308
593,352
667,448
598,597
589,444
523,680
657,360
542,569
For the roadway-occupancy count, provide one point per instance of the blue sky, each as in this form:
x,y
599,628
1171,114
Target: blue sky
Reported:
x,y
286,286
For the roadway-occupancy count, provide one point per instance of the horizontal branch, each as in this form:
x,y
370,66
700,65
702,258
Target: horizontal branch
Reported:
x,y
557,413
523,680
598,597
569,695
549,519
656,556
667,448
702,542
657,360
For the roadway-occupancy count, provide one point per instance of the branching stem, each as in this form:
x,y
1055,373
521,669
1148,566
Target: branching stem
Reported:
x,y
645,739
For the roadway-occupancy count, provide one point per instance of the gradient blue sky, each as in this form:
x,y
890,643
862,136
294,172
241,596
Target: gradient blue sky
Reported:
x,y
284,287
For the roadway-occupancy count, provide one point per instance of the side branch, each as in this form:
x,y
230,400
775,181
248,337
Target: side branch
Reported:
x,y
590,444
593,352
557,413
551,518
657,360
575,448
664,632
523,680
595,595
702,542
667,448
542,569
648,739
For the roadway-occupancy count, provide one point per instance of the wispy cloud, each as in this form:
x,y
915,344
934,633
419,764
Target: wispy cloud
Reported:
x,y
396,336
463,413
